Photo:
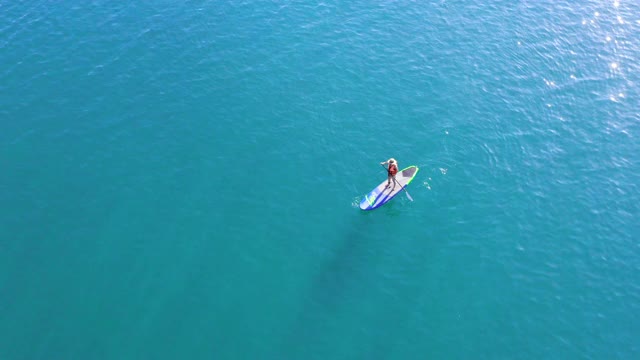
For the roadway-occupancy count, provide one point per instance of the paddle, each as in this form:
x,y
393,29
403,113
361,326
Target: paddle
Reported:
x,y
402,187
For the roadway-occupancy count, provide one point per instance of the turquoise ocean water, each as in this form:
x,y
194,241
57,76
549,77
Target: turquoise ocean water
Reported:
x,y
180,180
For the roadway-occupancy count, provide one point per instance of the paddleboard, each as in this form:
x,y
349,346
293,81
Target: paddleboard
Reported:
x,y
381,195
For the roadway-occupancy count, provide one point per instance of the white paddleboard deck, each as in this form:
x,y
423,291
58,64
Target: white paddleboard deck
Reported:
x,y
382,194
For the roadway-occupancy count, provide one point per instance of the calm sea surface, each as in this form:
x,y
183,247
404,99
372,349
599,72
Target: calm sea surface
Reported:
x,y
180,180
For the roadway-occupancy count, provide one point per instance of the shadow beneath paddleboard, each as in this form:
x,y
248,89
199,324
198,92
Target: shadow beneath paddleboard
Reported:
x,y
335,285
337,273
